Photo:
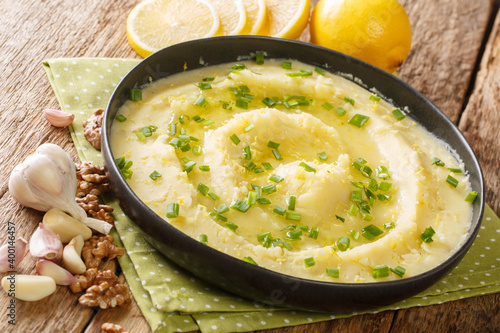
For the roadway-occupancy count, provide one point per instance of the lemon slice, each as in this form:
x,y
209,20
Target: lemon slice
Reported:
x,y
288,18
155,24
257,19
232,16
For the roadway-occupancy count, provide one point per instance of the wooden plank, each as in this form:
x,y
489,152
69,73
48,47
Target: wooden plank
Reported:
x,y
480,121
446,39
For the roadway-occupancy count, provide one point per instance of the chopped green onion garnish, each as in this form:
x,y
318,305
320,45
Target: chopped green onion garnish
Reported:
x,y
204,85
437,162
399,271
268,102
323,156
121,118
371,231
398,114
249,165
235,139
340,218
222,209
263,201
455,170
213,196
307,167
267,166
247,153
357,195
295,234
135,95
250,261
303,227
353,210
384,197
276,178
172,210
241,206
349,100
268,189
258,170
471,196
204,168
277,154
452,181
291,202
262,236
340,112
184,119
389,225
249,128
231,225
198,119
374,98
204,238
238,67
382,172
188,167
196,150
293,216
358,120
259,58
309,262
384,186
313,233
279,210
427,235
303,72
140,136
332,272
327,106
354,234
286,65
343,243
241,104
380,271
320,70
273,145
207,122
173,129
203,189
252,198
200,101
155,175
209,78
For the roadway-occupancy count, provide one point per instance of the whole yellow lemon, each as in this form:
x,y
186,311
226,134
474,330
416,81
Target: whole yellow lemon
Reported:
x,y
376,31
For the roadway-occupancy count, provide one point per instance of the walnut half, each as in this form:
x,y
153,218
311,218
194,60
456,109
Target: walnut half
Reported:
x,y
91,179
98,248
92,129
90,204
112,328
106,292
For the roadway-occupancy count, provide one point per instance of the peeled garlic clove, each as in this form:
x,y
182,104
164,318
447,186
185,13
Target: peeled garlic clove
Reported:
x,y
60,275
28,287
65,226
58,118
11,256
46,244
72,256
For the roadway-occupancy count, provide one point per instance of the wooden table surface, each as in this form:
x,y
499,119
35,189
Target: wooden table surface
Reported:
x,y
454,61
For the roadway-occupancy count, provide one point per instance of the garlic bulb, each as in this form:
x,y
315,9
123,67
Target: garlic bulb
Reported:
x,y
10,259
47,179
44,243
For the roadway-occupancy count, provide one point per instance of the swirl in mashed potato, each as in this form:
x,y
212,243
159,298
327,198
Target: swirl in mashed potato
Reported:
x,y
297,170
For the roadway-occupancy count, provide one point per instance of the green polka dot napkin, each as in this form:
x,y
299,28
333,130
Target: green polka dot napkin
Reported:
x,y
173,300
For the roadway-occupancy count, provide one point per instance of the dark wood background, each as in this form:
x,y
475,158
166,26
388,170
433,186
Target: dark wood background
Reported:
x,y
454,61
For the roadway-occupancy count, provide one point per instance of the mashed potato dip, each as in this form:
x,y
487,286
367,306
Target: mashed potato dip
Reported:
x,y
294,169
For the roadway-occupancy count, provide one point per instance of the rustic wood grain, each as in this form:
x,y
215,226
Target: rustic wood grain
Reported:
x,y
446,40
480,121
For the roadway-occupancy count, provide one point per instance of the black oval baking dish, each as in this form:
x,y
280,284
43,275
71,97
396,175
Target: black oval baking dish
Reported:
x,y
254,282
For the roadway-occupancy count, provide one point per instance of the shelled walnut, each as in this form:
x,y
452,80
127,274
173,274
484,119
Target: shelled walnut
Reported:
x,y
93,128
112,328
83,281
98,248
91,179
90,204
105,292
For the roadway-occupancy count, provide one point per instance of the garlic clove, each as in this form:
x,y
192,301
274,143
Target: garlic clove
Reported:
x,y
28,287
65,226
58,118
72,256
60,275
100,226
9,259
45,244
